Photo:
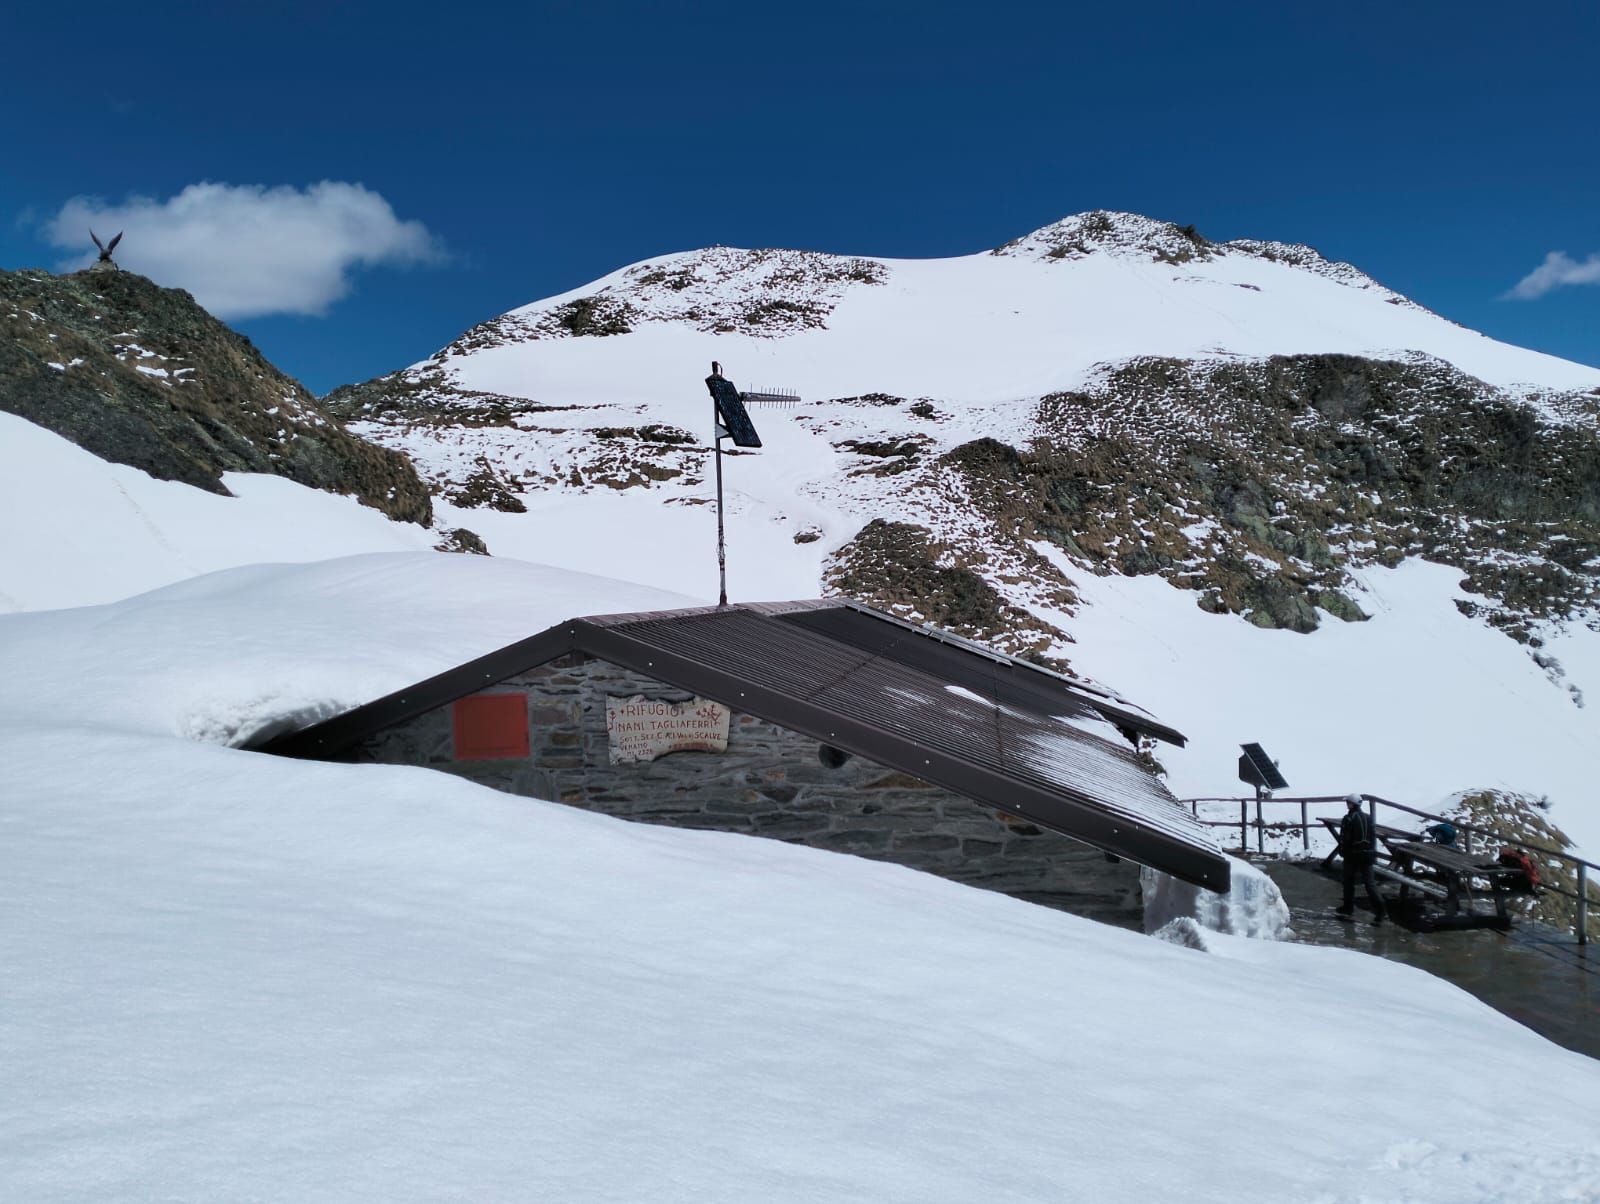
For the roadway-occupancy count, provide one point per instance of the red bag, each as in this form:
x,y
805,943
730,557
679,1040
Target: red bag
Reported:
x,y
1520,860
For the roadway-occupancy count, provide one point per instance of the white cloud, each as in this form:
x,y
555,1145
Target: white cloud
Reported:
x,y
247,250
1557,270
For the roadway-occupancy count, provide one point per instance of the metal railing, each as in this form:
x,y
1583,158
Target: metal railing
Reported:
x,y
1245,823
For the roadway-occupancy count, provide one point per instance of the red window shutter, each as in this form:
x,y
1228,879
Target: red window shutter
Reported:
x,y
490,727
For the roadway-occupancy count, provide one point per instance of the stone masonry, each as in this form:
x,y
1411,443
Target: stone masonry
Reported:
x,y
770,782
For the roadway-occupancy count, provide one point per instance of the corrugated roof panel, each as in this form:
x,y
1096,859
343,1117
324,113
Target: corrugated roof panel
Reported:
x,y
1014,682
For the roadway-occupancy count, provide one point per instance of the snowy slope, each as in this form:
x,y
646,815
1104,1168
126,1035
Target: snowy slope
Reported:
x,y
247,978
76,530
990,327
1414,704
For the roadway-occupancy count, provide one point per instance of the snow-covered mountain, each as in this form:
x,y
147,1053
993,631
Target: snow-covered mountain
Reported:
x,y
1110,442
246,976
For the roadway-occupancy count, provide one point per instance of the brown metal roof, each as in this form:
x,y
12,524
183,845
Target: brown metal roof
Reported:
x,y
983,725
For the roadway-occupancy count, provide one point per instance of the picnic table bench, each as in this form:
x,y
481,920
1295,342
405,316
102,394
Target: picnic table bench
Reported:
x,y
1440,871
1452,868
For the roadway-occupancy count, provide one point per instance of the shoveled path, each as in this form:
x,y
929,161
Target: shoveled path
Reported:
x,y
1533,973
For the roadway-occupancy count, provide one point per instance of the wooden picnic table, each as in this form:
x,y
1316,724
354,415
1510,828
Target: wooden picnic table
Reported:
x,y
1440,870
1453,868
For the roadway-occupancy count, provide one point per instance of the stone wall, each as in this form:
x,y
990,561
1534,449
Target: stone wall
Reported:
x,y
770,782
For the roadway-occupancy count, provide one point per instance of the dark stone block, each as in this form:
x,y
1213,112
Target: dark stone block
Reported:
x,y
981,848
737,806
856,841
912,843
788,827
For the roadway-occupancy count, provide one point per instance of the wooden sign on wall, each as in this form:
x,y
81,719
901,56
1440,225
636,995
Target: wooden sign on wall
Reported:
x,y
642,729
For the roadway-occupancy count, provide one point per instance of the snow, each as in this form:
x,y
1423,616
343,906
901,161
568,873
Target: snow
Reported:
x,y
992,328
220,657
77,530
1414,704
241,977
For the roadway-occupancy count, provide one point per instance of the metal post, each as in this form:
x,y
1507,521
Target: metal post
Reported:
x,y
1244,826
722,552
1372,814
1261,831
1583,904
1305,828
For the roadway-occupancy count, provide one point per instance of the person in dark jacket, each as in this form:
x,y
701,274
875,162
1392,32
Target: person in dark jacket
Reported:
x,y
1358,847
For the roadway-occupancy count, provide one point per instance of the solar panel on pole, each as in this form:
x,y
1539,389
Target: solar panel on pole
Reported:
x,y
1259,770
735,419
732,421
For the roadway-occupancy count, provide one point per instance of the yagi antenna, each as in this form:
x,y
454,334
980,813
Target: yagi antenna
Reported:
x,y
779,398
731,420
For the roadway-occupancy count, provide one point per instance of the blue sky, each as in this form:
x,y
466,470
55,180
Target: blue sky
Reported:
x,y
505,154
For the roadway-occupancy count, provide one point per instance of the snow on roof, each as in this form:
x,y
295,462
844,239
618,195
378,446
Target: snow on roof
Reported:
x,y
218,658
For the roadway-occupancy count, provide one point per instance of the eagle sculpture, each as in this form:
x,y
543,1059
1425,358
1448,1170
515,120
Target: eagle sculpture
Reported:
x,y
106,248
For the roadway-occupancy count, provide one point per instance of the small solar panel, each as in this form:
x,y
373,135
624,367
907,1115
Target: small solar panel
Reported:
x,y
730,408
1258,769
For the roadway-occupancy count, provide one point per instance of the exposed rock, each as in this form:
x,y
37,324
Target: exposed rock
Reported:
x,y
484,489
141,375
900,567
459,539
1259,483
1131,235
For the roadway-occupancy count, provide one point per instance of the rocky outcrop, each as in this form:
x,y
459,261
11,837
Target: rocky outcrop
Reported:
x,y
1259,483
904,569
142,375
1103,231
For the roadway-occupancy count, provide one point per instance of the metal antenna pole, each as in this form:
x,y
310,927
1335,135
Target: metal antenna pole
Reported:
x,y
722,551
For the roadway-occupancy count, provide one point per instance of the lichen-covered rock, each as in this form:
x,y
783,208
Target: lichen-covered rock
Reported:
x,y
142,375
900,567
1258,484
